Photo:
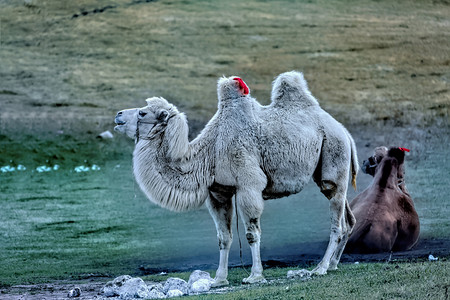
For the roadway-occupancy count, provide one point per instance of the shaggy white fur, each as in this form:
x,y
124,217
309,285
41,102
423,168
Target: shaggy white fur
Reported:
x,y
172,172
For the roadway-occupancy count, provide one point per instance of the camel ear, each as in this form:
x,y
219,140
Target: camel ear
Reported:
x,y
163,115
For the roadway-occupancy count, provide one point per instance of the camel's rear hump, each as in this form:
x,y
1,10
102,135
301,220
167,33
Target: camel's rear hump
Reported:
x,y
290,90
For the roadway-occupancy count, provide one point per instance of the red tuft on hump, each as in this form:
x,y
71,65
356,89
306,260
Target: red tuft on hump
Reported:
x,y
403,149
242,85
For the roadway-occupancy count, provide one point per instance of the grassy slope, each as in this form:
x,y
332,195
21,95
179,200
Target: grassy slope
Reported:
x,y
385,61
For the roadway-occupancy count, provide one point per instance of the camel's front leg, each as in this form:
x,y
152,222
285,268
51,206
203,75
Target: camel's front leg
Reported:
x,y
338,235
220,207
250,209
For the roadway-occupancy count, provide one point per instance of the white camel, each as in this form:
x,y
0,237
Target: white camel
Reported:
x,y
251,151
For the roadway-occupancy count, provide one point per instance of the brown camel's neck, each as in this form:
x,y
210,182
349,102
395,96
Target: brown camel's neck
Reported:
x,y
386,175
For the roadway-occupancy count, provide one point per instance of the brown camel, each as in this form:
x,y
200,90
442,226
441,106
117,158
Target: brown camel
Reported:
x,y
385,216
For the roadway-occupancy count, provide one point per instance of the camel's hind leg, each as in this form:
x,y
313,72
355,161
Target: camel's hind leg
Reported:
x,y
348,223
220,206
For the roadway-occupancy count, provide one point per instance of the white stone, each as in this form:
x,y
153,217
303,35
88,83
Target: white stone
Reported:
x,y
200,286
133,288
76,292
299,274
111,288
175,284
197,274
174,293
432,258
106,135
156,291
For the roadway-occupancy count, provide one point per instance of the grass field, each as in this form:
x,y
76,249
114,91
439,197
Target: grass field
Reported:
x,y
394,280
382,68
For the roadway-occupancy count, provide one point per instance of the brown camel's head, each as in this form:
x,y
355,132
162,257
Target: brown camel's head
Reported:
x,y
371,164
147,120
231,88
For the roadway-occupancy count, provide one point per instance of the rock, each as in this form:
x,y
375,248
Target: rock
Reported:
x,y
197,274
76,292
106,135
126,287
299,274
156,291
174,293
199,282
200,286
133,288
111,289
432,258
175,284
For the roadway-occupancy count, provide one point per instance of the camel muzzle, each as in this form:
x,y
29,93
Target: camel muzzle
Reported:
x,y
369,166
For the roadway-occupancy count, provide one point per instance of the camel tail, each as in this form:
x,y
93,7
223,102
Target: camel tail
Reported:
x,y
353,160
350,217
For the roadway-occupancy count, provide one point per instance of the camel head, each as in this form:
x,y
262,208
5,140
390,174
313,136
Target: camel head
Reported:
x,y
370,165
231,88
147,120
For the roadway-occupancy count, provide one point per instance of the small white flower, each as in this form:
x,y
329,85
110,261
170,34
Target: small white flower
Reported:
x,y
6,169
41,169
81,169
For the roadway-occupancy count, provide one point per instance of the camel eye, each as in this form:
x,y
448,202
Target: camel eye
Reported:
x,y
163,115
142,113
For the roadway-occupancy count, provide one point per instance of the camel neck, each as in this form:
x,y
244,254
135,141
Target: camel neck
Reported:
x,y
177,184
386,175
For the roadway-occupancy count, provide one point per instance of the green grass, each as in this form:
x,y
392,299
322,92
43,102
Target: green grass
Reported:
x,y
393,280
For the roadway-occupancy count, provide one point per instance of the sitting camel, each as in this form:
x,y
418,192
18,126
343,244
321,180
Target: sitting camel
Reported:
x,y
251,151
385,216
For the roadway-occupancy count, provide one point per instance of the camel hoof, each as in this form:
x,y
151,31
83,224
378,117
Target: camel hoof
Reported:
x,y
333,267
254,279
219,283
319,271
